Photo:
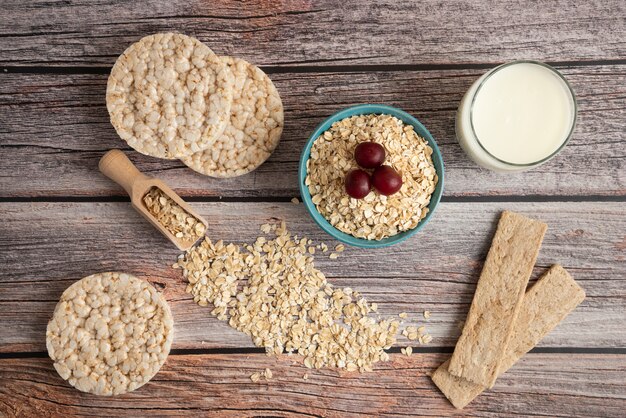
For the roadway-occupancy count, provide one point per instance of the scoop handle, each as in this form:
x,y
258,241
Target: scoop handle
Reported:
x,y
116,166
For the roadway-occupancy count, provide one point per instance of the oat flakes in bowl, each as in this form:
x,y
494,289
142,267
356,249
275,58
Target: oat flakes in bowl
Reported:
x,y
376,220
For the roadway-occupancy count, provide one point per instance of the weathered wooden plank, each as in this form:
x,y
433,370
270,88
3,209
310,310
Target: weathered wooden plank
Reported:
x,y
540,384
54,128
326,32
44,247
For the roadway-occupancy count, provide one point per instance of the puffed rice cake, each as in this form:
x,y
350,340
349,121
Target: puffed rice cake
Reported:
x,y
110,333
169,95
256,124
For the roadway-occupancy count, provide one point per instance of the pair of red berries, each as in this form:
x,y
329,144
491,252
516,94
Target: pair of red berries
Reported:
x,y
385,179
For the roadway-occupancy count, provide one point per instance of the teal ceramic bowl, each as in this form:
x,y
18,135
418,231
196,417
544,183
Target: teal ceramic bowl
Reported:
x,y
363,110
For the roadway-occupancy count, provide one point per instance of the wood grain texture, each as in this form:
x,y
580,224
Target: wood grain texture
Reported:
x,y
539,384
323,56
55,127
329,32
44,247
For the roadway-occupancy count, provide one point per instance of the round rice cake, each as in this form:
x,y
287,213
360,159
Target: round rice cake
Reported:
x,y
110,333
256,124
169,95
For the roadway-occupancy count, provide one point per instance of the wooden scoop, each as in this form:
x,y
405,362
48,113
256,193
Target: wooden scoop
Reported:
x,y
116,166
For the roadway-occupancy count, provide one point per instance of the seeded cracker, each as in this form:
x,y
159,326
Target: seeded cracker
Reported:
x,y
544,306
110,333
503,280
256,124
169,96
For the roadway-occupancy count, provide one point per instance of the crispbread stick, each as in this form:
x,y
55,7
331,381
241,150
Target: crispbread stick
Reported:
x,y
544,306
498,296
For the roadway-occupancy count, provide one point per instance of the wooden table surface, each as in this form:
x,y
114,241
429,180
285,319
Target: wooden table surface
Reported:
x,y
62,220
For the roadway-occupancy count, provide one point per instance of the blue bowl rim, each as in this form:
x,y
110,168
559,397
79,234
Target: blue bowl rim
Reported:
x,y
363,109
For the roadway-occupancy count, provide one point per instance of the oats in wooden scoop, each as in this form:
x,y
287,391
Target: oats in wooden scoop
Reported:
x,y
174,218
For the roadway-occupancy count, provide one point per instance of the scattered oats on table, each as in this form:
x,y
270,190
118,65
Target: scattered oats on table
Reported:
x,y
271,291
256,124
110,333
264,374
169,95
172,216
295,200
413,333
376,216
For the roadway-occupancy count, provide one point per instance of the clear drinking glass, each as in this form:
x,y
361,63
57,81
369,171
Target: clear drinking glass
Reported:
x,y
470,140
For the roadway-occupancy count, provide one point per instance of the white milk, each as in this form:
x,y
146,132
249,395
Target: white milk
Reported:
x,y
516,116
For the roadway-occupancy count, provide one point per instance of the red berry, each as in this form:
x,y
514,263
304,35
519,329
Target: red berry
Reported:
x,y
386,180
369,154
358,184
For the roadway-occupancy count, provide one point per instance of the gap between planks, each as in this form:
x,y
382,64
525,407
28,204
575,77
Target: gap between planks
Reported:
x,y
275,69
392,350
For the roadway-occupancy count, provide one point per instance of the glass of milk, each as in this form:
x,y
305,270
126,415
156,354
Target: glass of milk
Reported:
x,y
516,116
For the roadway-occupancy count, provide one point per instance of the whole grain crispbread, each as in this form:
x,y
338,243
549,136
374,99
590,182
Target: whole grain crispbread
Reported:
x,y
498,296
544,306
